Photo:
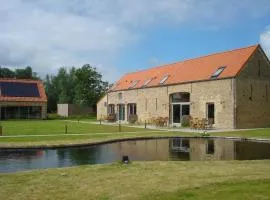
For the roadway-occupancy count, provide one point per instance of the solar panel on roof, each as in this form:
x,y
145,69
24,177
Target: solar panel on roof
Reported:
x,y
14,89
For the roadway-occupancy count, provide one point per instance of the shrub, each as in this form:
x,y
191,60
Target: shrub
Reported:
x,y
185,121
132,119
55,116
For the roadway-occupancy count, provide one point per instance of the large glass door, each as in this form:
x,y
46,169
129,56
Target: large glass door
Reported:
x,y
178,111
121,112
184,110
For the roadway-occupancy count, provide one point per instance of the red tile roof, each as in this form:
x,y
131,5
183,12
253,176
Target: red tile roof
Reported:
x,y
197,69
42,98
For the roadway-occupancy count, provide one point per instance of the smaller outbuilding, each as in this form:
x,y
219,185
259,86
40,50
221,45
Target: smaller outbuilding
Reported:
x,y
67,110
22,99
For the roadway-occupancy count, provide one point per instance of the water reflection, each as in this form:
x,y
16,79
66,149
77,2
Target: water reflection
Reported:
x,y
181,149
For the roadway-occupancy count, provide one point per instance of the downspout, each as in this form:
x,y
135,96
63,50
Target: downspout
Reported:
x,y
107,103
234,102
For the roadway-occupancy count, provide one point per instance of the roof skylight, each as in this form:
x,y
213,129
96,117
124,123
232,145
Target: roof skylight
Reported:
x,y
113,86
134,83
218,72
164,79
147,82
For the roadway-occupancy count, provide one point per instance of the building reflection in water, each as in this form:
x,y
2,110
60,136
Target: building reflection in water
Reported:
x,y
178,149
194,149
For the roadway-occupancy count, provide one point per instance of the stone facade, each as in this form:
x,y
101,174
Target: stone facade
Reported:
x,y
253,93
102,108
240,102
154,102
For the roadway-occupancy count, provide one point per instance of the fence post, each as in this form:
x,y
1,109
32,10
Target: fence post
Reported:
x,y
100,121
119,126
1,130
145,124
66,129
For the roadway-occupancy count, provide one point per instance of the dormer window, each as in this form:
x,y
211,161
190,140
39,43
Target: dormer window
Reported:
x,y
164,79
133,84
147,82
218,72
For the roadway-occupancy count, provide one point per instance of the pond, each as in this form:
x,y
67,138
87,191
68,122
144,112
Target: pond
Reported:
x,y
176,149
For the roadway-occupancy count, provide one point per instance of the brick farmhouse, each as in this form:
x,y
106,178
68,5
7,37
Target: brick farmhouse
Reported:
x,y
22,99
231,89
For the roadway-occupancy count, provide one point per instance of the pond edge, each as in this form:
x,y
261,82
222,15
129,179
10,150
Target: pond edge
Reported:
x,y
59,146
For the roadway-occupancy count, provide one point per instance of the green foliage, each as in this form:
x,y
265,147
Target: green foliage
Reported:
x,y
132,119
89,87
6,73
55,116
205,134
21,73
82,86
185,121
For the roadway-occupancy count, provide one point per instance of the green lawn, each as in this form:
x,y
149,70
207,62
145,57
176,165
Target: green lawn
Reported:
x,y
50,127
88,133
143,180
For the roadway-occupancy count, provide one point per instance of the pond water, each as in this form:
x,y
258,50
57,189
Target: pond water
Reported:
x,y
177,149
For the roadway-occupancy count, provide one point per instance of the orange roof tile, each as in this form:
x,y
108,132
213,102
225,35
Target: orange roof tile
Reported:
x,y
197,69
41,98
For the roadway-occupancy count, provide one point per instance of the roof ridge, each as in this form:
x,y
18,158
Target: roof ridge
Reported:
x,y
189,59
19,80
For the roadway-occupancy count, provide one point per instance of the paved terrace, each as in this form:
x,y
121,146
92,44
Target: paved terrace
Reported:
x,y
181,129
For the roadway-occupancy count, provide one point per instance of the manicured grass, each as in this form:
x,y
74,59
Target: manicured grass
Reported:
x,y
143,180
81,139
246,190
48,127
88,133
259,133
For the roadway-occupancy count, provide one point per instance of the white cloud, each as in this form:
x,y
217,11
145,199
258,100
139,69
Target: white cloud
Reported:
x,y
265,41
47,34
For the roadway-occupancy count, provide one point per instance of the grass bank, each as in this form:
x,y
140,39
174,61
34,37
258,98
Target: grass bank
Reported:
x,y
143,180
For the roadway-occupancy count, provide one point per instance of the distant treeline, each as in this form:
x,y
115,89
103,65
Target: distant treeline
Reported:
x,y
25,73
83,86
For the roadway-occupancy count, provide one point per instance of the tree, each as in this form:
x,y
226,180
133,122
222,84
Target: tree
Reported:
x,y
25,73
83,86
6,73
51,92
90,86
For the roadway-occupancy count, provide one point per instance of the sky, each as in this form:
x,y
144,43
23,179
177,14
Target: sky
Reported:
x,y
121,36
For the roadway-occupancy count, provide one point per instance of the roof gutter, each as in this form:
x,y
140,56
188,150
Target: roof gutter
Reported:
x,y
172,84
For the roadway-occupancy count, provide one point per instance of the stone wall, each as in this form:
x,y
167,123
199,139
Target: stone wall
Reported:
x,y
102,108
253,93
154,102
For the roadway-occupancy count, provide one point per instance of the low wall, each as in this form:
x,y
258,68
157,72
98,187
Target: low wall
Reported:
x,y
67,110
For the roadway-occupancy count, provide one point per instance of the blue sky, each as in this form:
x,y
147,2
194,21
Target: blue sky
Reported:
x,y
120,36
